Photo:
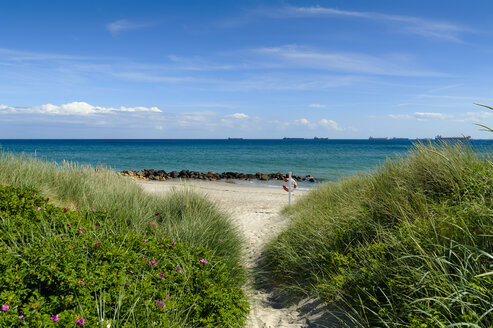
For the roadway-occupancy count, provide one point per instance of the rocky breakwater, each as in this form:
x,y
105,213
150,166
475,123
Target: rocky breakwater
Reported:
x,y
162,175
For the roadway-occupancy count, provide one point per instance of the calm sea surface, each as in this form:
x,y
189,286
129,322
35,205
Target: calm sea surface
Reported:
x,y
324,159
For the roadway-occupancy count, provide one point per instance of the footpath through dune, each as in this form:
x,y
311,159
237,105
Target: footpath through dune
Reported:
x,y
256,212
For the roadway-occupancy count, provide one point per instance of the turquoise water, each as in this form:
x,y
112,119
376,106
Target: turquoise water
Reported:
x,y
323,159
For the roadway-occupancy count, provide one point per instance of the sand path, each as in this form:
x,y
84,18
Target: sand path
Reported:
x,y
256,212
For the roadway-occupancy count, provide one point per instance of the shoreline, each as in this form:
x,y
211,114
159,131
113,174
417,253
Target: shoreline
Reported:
x,y
161,175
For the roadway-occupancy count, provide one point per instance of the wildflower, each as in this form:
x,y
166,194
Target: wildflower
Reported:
x,y
55,318
144,240
5,308
152,223
162,275
97,244
160,304
80,321
485,178
203,261
178,268
64,209
39,208
167,296
173,243
157,213
21,316
96,227
69,224
73,246
93,210
32,196
81,230
47,198
152,262
220,240
161,245
207,284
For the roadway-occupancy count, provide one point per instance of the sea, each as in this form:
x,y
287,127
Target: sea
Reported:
x,y
326,160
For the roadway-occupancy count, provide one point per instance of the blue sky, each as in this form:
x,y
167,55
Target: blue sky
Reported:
x,y
252,69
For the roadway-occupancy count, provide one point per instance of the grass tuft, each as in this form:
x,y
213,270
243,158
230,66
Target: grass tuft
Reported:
x,y
407,246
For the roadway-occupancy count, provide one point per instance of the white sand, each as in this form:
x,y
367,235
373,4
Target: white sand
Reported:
x,y
255,209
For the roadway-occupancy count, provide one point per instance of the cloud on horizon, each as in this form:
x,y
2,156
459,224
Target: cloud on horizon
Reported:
x,y
74,108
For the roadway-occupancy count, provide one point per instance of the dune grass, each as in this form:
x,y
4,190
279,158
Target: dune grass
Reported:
x,y
185,215
410,245
103,273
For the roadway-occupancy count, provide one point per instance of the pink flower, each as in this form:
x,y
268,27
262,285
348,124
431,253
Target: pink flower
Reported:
x,y
484,178
97,244
81,230
220,240
5,308
21,316
80,321
157,213
64,209
144,240
207,284
173,243
162,275
69,224
55,318
152,223
203,261
178,268
152,262
47,198
160,304
167,296
73,246
93,210
96,227
39,208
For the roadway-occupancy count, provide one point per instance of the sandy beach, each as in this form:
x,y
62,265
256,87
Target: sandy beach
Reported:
x,y
255,210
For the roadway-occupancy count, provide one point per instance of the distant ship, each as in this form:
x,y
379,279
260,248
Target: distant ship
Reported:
x,y
286,138
372,138
235,138
399,138
319,138
439,137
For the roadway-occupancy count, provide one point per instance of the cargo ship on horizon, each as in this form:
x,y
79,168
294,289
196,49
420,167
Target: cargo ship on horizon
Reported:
x,y
439,137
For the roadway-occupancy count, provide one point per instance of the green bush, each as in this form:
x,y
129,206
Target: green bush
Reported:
x,y
87,264
407,246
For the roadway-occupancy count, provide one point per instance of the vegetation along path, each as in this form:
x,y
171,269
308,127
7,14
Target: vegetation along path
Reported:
x,y
255,211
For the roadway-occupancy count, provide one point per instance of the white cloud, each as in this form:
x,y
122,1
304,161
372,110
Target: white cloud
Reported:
x,y
441,116
329,124
124,25
408,24
74,108
323,123
316,106
238,116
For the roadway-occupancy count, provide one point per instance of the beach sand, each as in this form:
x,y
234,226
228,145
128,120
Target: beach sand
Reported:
x,y
255,210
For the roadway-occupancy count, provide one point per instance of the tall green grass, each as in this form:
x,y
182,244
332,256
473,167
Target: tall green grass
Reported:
x,y
407,246
185,215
